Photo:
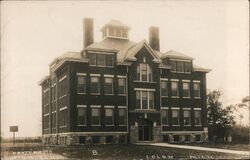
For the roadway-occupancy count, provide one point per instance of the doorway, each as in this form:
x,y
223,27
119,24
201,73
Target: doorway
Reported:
x,y
145,131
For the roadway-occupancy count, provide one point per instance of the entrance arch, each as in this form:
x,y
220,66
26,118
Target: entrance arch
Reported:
x,y
145,130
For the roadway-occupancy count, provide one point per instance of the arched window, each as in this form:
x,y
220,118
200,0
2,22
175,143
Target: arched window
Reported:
x,y
144,72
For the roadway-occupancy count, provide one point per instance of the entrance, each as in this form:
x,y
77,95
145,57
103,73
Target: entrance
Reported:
x,y
145,131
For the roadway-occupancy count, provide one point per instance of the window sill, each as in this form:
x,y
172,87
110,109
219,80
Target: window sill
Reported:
x,y
176,125
181,72
81,125
121,94
164,97
102,66
175,97
187,125
197,97
108,94
137,81
165,125
198,125
186,97
109,125
95,94
122,125
82,93
96,125
62,126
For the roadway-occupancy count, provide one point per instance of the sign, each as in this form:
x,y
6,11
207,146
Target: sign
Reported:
x,y
13,128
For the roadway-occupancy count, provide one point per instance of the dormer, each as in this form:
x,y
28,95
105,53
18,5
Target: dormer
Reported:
x,y
115,29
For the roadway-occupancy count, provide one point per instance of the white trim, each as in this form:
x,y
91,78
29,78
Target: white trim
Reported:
x,y
81,74
175,80
122,107
119,76
81,106
180,60
175,108
61,79
164,108
196,81
63,108
53,112
95,106
144,89
186,108
108,75
46,90
96,52
95,75
164,79
63,126
47,114
197,109
109,107
185,80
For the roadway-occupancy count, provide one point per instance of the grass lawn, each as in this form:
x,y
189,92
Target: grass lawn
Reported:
x,y
139,152
232,146
120,152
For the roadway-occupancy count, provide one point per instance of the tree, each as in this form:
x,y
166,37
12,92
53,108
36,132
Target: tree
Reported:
x,y
220,119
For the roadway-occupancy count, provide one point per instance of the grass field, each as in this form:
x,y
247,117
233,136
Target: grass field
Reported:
x,y
127,152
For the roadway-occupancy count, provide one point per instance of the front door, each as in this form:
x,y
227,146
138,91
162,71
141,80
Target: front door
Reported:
x,y
145,132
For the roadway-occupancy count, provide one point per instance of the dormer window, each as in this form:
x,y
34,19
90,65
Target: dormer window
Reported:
x,y
180,66
101,60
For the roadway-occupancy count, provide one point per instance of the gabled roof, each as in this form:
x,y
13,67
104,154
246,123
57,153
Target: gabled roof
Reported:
x,y
115,23
175,54
138,46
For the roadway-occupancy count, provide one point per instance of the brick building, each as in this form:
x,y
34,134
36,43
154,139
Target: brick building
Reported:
x,y
119,91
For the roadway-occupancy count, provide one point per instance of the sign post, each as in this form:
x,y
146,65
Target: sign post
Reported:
x,y
13,129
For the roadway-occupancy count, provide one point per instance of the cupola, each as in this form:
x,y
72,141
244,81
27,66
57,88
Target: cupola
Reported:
x,y
115,29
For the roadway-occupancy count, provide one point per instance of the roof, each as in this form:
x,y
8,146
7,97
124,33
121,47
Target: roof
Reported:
x,y
43,80
115,23
119,46
68,56
175,54
200,69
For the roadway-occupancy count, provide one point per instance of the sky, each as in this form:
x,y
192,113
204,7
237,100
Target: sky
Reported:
x,y
33,33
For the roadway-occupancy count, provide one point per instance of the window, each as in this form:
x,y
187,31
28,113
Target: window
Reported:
x,y
118,32
187,67
180,67
173,66
92,59
81,113
109,120
95,85
164,88
122,116
121,86
197,90
186,117
95,116
186,89
62,118
144,100
103,60
144,72
175,117
112,31
100,60
110,60
197,118
108,85
174,89
81,84
164,117
124,33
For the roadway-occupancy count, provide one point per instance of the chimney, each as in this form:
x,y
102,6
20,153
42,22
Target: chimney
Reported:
x,y
154,41
88,31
